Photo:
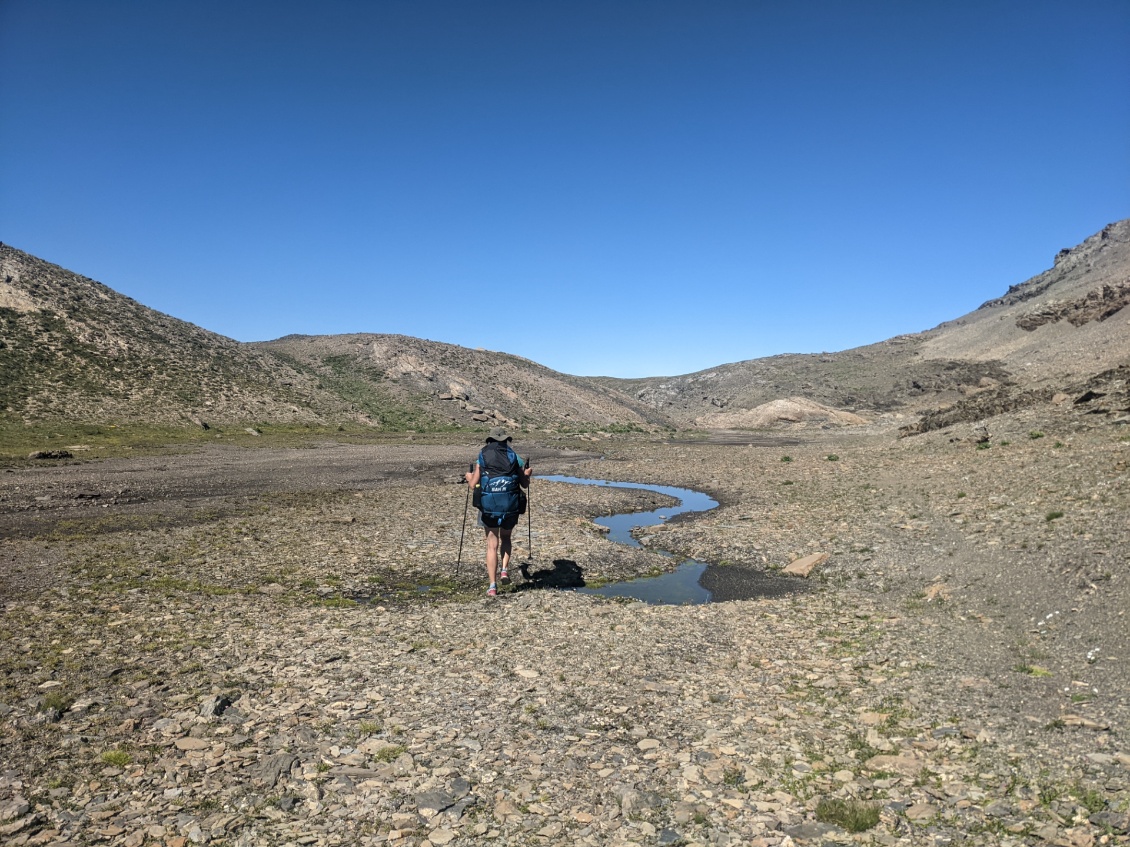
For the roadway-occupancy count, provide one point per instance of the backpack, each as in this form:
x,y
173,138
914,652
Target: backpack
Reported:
x,y
500,493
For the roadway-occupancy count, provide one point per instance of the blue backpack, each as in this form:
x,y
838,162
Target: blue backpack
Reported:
x,y
501,493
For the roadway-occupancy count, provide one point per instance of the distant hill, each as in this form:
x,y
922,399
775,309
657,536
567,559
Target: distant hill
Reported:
x,y
1054,332
73,349
450,385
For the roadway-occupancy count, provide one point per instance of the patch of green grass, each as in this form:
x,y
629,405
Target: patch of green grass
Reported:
x,y
786,458
1089,798
852,815
369,727
116,758
390,753
337,603
832,457
1034,434
1053,516
1032,670
733,777
56,702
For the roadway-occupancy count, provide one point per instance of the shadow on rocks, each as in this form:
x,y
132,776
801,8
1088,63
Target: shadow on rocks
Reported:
x,y
565,573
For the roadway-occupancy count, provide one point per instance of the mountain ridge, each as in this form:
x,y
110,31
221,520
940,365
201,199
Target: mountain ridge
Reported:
x,y
74,349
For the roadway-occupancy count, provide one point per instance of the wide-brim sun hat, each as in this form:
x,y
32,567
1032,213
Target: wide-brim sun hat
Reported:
x,y
499,434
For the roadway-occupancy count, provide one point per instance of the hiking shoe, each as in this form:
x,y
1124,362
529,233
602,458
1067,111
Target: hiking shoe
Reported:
x,y
492,592
504,577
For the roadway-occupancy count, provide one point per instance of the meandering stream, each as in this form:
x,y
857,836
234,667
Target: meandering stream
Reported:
x,y
681,586
686,585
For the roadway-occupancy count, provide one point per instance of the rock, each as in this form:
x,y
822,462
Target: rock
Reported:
x,y
51,454
13,809
431,803
214,706
809,830
1085,723
902,765
188,743
804,566
921,812
1118,822
270,770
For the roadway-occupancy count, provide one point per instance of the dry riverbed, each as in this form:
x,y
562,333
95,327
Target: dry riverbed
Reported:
x,y
269,647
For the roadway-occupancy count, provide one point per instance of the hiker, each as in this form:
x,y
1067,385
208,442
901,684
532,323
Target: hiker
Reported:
x,y
502,474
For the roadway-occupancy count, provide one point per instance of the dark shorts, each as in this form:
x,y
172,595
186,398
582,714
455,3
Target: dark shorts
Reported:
x,y
490,521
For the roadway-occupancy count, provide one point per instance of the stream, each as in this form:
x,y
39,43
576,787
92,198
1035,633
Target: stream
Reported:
x,y
686,585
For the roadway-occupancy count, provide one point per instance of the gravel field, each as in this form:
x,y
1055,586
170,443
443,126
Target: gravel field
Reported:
x,y
266,647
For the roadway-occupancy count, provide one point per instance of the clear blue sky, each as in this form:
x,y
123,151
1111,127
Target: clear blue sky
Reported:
x,y
650,188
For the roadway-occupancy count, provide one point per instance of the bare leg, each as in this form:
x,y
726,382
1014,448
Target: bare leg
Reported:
x,y
492,552
504,548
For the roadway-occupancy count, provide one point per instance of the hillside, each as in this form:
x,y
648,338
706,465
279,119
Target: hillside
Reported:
x,y
73,349
455,386
1060,331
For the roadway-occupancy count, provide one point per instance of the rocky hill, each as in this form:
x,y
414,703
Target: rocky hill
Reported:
x,y
74,349
1064,331
456,386
71,348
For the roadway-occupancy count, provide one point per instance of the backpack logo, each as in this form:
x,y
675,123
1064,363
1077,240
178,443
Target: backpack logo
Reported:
x,y
500,492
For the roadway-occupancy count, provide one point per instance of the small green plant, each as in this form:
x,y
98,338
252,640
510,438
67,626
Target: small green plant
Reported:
x,y
1034,434
1058,444
984,445
369,727
116,758
832,457
56,702
322,766
1005,443
1089,798
1032,670
852,815
786,458
733,777
390,753
960,494
1052,516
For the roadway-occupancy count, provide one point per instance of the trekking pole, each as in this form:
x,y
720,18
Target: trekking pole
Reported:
x,y
466,502
529,514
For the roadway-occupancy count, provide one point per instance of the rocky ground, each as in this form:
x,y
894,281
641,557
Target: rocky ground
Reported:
x,y
261,647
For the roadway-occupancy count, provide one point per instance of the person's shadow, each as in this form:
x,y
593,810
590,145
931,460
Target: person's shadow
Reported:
x,y
565,573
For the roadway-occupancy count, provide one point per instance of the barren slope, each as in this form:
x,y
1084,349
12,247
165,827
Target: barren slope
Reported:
x,y
1061,331
457,386
71,348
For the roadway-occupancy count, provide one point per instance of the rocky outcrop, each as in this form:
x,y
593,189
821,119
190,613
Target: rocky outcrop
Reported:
x,y
1097,305
790,412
